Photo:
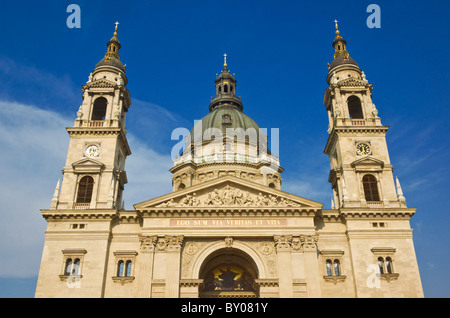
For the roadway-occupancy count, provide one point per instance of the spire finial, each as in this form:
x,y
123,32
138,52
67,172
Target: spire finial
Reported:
x,y
113,45
115,29
336,25
225,60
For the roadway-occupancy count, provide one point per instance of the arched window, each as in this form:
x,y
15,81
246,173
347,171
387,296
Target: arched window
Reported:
x,y
128,269
120,269
231,88
389,268
85,187
329,273
181,186
272,185
225,88
68,267
99,109
336,268
370,188
354,107
220,89
381,265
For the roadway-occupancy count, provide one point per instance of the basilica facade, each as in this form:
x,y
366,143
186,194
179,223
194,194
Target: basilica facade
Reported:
x,y
228,229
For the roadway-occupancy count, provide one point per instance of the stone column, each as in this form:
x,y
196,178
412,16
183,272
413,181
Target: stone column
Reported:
x,y
309,245
283,246
173,261
147,254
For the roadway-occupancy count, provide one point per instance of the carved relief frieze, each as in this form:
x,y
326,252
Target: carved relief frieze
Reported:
x,y
190,250
230,196
266,250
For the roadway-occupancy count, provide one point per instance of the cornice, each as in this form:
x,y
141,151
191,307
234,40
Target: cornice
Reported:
x,y
197,166
337,130
73,214
215,212
94,130
98,131
371,213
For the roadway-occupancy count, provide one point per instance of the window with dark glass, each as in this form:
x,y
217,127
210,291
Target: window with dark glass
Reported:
x,y
128,269
336,267
120,269
389,268
381,265
370,188
328,263
85,188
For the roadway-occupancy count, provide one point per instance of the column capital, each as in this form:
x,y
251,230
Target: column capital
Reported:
x,y
173,243
147,242
283,242
309,242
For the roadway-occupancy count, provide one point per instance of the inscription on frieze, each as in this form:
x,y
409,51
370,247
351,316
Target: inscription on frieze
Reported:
x,y
225,223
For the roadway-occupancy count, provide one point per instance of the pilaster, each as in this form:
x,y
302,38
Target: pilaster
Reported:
x,y
283,247
309,245
147,254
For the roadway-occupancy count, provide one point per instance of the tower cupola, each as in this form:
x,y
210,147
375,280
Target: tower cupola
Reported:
x,y
226,90
112,57
341,55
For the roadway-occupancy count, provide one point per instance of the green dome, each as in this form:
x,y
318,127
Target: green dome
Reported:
x,y
224,117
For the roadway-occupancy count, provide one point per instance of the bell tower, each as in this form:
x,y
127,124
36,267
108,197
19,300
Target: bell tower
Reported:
x,y
361,173
94,174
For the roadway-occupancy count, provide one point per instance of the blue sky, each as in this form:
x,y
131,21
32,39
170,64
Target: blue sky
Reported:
x,y
278,50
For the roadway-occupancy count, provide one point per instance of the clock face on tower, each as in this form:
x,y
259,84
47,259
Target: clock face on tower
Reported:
x,y
363,149
92,151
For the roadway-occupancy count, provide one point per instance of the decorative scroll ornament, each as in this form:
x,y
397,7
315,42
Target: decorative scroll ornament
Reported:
x,y
229,196
228,242
191,248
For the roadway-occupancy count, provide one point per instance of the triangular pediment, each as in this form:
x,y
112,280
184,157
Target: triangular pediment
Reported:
x,y
101,83
230,192
352,82
87,165
368,162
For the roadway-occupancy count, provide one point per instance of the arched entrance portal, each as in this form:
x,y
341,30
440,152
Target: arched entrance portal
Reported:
x,y
228,272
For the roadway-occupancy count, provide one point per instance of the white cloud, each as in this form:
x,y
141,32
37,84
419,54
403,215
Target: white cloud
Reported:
x,y
148,173
34,146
